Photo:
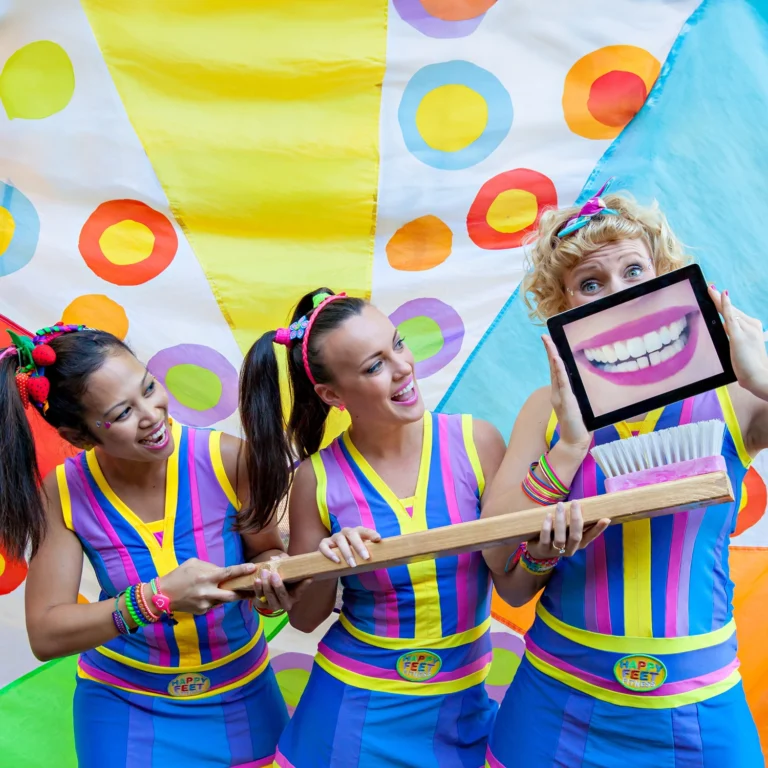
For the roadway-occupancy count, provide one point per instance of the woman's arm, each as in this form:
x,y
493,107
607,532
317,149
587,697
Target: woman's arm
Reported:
x,y
58,625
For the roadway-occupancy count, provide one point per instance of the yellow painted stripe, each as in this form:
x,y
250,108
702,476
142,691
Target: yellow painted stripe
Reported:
x,y
726,405
635,700
214,446
471,449
322,489
551,427
144,667
405,643
402,687
224,689
637,578
261,121
626,645
64,497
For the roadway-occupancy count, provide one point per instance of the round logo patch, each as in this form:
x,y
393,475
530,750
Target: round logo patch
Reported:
x,y
639,673
418,666
189,684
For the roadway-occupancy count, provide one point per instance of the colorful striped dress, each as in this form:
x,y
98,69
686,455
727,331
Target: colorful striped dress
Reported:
x,y
398,679
202,692
632,661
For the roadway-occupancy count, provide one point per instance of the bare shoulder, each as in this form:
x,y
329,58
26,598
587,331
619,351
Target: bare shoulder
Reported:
x,y
51,496
304,481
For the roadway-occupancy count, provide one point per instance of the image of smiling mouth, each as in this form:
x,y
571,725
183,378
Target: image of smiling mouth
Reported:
x,y
643,351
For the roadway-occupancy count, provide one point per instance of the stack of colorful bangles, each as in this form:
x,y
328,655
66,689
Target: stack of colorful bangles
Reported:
x,y
139,610
259,608
545,492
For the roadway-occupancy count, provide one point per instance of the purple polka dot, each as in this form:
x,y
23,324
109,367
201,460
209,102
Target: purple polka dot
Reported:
x,y
413,12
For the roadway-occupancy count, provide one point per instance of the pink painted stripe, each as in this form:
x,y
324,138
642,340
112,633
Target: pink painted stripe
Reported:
x,y
463,619
694,519
491,761
160,652
386,591
106,677
599,558
679,523
686,412
282,761
217,639
668,689
379,673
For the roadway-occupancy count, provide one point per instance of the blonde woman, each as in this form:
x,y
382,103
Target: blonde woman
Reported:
x,y
652,596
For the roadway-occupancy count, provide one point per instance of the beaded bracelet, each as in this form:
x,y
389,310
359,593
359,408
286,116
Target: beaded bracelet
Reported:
x,y
152,618
260,609
117,618
133,608
533,565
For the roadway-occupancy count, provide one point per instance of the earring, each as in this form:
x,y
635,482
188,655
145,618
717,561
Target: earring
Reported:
x,y
342,407
570,291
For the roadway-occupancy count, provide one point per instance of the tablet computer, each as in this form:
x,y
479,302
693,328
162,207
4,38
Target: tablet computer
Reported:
x,y
648,346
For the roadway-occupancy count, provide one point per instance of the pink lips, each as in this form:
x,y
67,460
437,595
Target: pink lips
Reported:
x,y
161,445
412,400
654,373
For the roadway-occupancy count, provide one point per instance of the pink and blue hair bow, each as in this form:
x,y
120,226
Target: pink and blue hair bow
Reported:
x,y
593,207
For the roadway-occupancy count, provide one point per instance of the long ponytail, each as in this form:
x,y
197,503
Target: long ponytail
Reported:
x,y
22,516
273,448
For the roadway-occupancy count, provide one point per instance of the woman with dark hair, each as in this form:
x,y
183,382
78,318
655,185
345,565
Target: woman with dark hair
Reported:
x,y
173,669
398,679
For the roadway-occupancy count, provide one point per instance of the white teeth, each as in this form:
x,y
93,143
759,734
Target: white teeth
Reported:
x,y
622,353
643,351
404,391
156,436
652,342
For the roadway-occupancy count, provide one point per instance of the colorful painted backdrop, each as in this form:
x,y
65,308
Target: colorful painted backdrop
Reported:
x,y
179,173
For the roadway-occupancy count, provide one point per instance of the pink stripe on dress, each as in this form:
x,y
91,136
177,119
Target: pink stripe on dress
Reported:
x,y
386,593
694,520
679,524
261,763
491,761
281,761
379,673
667,689
217,640
464,616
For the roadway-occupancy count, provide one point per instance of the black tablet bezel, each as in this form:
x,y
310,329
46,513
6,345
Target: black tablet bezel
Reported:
x,y
692,273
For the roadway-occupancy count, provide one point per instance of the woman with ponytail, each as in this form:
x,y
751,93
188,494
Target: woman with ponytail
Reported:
x,y
398,680
173,670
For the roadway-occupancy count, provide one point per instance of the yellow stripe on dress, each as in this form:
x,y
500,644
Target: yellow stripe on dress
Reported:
x,y
471,449
638,621
321,494
626,645
551,427
635,700
406,643
214,446
401,687
729,414
144,667
64,497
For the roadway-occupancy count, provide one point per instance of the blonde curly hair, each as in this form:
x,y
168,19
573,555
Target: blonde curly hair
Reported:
x,y
550,256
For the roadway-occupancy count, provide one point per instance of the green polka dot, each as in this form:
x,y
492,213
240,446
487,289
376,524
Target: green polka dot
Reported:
x,y
503,667
292,683
423,336
37,81
195,387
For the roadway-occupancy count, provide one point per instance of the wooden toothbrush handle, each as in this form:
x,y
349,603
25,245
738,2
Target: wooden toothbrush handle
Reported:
x,y
620,507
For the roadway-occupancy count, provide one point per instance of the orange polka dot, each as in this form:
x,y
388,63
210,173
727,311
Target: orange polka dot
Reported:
x,y
82,599
605,89
420,244
754,498
97,311
456,10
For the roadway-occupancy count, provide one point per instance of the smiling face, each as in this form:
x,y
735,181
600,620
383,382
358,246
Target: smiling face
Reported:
x,y
372,371
642,348
124,394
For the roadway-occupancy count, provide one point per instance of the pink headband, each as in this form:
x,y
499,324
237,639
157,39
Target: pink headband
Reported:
x,y
300,330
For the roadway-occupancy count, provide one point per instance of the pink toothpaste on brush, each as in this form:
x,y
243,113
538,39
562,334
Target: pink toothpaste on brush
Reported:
x,y
689,450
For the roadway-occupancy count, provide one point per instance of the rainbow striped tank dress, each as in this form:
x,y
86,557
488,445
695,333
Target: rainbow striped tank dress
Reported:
x,y
202,692
631,660
398,679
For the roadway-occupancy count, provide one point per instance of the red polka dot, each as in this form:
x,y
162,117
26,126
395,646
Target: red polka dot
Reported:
x,y
616,97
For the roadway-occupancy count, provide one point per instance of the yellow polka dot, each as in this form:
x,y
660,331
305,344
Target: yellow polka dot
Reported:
x,y
127,242
513,210
97,311
2,565
7,228
451,117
